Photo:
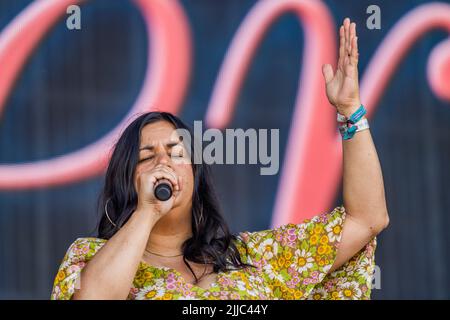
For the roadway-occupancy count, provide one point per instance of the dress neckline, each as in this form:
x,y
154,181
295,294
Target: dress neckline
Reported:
x,y
180,276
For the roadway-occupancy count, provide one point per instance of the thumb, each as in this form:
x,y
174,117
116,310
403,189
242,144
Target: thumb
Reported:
x,y
328,73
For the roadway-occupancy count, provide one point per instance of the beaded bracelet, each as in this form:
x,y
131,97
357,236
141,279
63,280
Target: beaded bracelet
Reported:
x,y
349,126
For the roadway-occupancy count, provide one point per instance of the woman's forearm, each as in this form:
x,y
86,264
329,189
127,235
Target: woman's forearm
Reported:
x,y
110,273
363,189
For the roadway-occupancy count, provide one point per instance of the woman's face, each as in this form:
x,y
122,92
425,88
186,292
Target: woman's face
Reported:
x,y
160,144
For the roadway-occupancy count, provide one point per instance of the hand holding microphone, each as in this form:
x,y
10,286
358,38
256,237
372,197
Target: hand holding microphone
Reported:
x,y
157,190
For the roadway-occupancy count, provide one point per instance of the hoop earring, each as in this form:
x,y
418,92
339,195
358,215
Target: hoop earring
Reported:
x,y
107,215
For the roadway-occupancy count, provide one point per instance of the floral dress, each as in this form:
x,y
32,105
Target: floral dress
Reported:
x,y
292,262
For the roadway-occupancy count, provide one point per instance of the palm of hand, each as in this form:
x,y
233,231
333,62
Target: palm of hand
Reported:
x,y
342,87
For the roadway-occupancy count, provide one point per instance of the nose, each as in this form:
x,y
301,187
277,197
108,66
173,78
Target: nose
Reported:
x,y
163,158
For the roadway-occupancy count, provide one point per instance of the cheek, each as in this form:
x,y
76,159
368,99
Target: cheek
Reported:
x,y
135,182
135,179
188,177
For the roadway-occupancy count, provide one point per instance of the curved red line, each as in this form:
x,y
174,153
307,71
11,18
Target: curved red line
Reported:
x,y
169,62
310,172
396,44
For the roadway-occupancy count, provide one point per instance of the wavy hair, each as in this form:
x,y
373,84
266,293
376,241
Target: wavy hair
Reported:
x,y
211,240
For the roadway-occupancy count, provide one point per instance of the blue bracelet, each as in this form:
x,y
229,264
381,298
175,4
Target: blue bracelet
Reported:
x,y
350,123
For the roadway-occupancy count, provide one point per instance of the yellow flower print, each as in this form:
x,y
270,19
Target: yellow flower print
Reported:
x,y
337,229
324,240
318,229
282,267
289,296
61,275
318,294
139,281
301,261
287,264
314,239
351,290
334,230
288,255
275,265
167,296
304,260
335,295
321,250
64,288
268,248
298,294
242,251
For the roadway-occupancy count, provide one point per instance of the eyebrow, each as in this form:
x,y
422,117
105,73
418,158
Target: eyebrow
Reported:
x,y
169,145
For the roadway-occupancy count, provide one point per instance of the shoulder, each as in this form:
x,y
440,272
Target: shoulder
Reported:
x,y
89,242
323,230
78,254
83,249
289,232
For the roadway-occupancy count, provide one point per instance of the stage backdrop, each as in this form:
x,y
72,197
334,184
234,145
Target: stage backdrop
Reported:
x,y
77,85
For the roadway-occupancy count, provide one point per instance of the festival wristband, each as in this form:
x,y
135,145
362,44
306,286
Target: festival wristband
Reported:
x,y
349,126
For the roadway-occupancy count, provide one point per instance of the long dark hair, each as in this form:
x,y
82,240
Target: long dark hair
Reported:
x,y
211,240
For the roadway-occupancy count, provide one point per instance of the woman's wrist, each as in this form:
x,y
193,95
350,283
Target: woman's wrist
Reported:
x,y
348,109
355,122
144,216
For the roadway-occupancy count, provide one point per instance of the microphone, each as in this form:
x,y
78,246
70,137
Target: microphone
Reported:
x,y
163,190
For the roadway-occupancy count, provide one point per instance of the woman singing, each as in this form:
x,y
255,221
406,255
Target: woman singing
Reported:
x,y
181,248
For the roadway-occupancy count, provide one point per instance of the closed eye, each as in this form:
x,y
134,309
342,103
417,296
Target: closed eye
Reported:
x,y
148,158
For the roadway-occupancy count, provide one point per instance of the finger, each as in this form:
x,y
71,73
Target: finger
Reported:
x,y
352,35
355,55
163,174
158,179
341,47
174,177
177,192
166,169
327,71
347,35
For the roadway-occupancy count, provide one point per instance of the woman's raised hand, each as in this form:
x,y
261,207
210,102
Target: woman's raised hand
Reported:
x,y
342,86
